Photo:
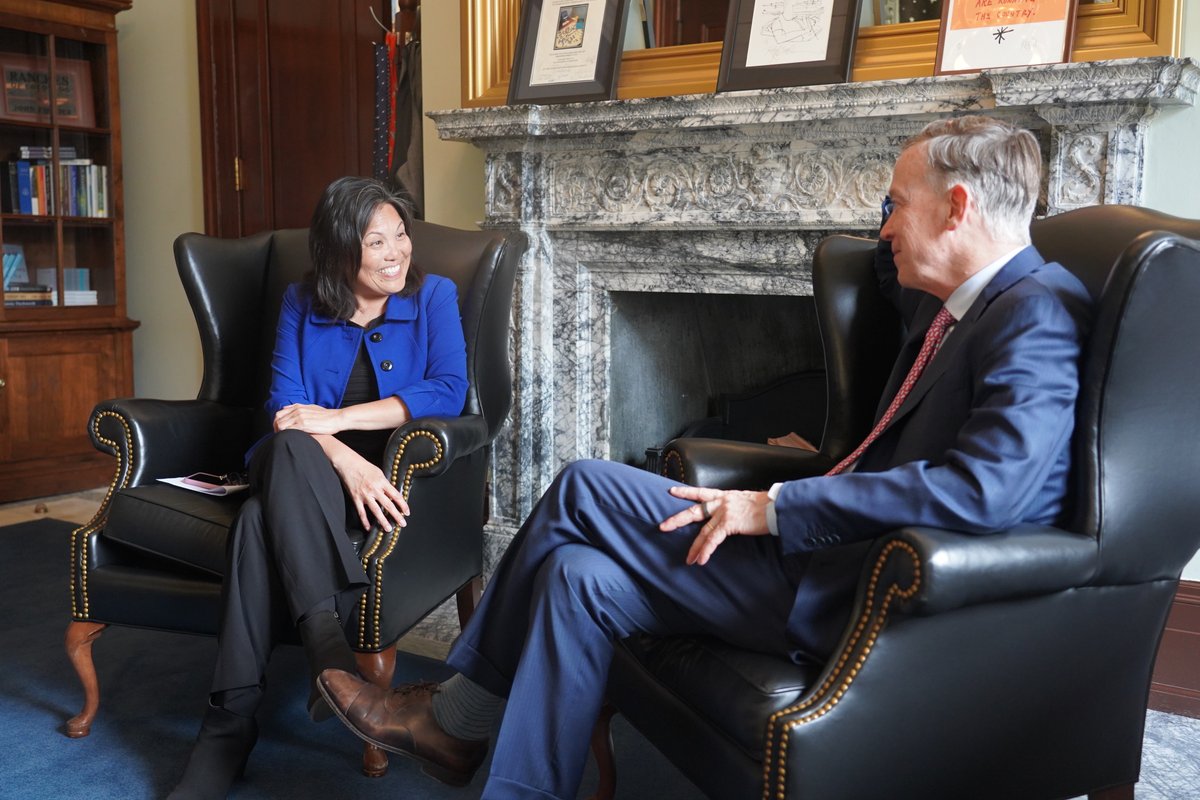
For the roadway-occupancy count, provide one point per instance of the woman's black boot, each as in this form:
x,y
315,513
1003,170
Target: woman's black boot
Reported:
x,y
219,756
326,647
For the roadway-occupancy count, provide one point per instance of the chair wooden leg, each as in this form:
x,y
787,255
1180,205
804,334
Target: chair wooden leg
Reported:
x,y
602,751
79,638
1115,793
377,668
468,598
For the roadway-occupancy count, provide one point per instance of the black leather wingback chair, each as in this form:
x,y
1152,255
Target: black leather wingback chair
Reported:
x,y
1016,665
154,555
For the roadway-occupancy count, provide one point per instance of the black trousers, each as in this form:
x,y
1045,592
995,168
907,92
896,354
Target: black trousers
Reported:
x,y
288,551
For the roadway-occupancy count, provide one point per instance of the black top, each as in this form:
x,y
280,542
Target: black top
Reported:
x,y
363,388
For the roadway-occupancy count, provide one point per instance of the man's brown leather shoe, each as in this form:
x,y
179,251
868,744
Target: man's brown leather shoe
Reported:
x,y
401,720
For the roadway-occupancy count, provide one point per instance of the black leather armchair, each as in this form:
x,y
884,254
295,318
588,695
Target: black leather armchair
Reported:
x,y
154,555
1016,665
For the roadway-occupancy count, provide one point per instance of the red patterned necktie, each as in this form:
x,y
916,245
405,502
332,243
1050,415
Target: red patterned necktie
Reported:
x,y
933,337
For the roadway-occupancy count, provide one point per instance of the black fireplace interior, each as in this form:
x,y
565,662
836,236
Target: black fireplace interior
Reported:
x,y
744,367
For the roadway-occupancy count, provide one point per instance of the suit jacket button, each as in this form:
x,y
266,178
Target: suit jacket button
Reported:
x,y
386,366
377,337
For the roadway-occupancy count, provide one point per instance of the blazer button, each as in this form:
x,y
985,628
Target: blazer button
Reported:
x,y
386,366
376,337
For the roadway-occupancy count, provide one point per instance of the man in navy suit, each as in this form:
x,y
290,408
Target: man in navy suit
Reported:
x,y
978,442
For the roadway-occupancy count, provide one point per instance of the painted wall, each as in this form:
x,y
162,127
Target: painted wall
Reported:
x,y
1173,163
453,170
160,126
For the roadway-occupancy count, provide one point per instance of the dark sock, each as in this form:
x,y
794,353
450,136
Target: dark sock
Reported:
x,y
465,709
326,647
219,755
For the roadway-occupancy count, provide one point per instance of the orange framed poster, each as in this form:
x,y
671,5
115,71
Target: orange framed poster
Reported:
x,y
990,34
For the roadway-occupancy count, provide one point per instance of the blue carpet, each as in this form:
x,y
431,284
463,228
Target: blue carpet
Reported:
x,y
153,689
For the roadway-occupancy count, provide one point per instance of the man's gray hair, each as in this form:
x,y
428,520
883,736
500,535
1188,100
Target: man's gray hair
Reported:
x,y
1000,163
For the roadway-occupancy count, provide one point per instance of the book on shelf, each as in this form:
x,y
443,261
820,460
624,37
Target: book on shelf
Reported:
x,y
77,279
15,269
45,151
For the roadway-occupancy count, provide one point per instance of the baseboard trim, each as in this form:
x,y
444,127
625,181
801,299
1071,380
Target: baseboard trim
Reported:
x,y
1176,685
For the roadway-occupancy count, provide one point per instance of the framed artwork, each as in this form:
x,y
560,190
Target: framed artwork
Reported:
x,y
773,43
567,51
27,90
984,34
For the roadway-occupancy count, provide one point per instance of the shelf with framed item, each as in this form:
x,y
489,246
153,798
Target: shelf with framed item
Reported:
x,y
887,49
65,338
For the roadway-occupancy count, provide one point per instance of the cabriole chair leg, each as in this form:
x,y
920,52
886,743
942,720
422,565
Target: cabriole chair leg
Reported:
x,y
79,638
602,751
377,668
468,598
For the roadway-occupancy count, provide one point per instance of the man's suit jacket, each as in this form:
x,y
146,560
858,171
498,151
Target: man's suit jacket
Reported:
x,y
981,443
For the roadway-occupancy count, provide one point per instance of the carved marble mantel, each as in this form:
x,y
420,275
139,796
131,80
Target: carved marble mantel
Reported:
x,y
729,193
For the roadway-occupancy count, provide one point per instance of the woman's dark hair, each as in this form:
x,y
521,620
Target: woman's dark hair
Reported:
x,y
335,242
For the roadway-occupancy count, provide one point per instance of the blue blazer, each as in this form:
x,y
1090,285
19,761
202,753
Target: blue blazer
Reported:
x,y
980,444
418,352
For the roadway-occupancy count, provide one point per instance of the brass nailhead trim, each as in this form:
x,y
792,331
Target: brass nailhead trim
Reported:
x,y
674,455
392,540
839,675
77,549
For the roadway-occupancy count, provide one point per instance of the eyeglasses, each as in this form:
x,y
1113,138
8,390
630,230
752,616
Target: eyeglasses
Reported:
x,y
887,207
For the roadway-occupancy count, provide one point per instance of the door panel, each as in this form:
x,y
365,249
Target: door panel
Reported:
x,y
287,92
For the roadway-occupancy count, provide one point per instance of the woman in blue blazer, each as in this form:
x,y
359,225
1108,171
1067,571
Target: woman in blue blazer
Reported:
x,y
365,343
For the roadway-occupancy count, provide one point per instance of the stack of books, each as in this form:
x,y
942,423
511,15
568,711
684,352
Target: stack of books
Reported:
x,y
45,151
29,294
76,298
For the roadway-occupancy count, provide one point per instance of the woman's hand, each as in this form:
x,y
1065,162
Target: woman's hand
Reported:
x,y
309,418
727,513
375,498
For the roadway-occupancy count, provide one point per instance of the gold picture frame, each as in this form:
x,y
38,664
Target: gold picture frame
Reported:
x,y
1120,29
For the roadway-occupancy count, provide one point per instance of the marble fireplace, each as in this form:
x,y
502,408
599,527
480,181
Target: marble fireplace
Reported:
x,y
729,194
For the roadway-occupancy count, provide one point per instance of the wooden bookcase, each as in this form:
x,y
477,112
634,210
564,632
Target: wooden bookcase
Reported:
x,y
65,338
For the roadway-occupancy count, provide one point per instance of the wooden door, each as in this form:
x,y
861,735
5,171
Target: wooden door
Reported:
x,y
287,104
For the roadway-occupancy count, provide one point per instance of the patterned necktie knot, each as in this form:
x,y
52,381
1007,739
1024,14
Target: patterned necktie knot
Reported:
x,y
933,339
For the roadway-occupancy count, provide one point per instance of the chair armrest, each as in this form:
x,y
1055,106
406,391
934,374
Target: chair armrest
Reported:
x,y
725,464
949,569
166,438
427,446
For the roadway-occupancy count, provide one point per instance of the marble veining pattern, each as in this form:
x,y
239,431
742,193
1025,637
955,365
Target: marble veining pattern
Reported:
x,y
730,193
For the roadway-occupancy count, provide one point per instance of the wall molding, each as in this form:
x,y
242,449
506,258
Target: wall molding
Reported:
x,y
1176,684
